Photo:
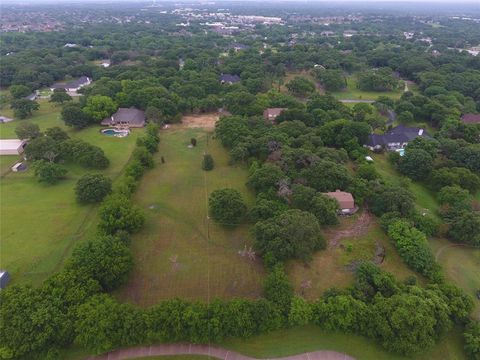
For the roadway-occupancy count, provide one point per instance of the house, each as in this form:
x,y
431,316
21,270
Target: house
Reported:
x,y
237,47
12,146
4,278
394,139
4,119
327,33
72,86
19,166
105,63
229,79
471,118
129,117
349,33
33,96
271,114
345,201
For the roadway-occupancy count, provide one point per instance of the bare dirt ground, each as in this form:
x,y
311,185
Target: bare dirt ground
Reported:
x,y
206,121
359,228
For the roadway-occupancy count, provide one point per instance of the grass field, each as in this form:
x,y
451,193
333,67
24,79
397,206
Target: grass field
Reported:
x,y
179,252
332,267
354,93
40,224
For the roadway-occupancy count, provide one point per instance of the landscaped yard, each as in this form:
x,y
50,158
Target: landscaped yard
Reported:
x,y
180,252
40,224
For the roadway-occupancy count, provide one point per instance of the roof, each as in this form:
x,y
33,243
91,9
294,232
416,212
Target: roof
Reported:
x,y
84,80
471,118
11,144
273,111
399,134
229,78
132,116
345,199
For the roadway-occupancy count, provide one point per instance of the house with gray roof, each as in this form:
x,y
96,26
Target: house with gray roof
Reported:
x,y
72,86
229,79
131,117
395,139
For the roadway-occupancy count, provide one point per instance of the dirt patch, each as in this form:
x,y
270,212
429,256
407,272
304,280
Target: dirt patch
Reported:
x,y
359,228
200,121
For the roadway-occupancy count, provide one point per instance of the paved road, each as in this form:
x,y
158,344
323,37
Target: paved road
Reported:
x,y
213,351
356,101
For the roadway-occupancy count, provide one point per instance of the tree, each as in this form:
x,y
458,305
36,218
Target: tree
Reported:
x,y
207,163
265,177
19,91
99,107
265,209
23,108
60,96
325,209
27,130
464,228
331,79
367,171
416,164
153,114
326,176
226,207
73,115
292,234
39,147
390,198
454,176
118,214
48,172
92,188
105,259
300,86
57,134
278,290
300,312
471,337
145,158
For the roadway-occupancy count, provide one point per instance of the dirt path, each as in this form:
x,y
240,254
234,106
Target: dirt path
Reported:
x,y
207,350
360,228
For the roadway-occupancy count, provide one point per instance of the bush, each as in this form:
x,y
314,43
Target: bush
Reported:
x,y
84,154
48,173
150,142
135,169
92,188
207,163
125,186
27,130
413,247
142,155
472,340
226,207
278,290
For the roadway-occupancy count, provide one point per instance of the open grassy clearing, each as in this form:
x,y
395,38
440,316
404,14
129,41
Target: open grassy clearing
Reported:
x,y
461,264
352,92
40,224
179,252
333,267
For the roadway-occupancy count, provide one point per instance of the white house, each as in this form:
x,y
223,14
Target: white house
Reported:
x,y
73,86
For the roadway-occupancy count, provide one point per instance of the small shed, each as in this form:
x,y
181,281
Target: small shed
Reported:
x,y
271,114
19,166
12,146
4,278
345,201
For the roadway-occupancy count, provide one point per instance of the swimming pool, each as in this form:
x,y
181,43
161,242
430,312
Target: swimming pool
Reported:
x,y
115,132
401,152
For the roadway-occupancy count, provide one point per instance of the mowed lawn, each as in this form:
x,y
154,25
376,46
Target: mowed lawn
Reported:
x,y
180,252
39,223
354,93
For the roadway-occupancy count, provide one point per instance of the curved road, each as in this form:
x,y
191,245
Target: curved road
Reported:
x,y
207,350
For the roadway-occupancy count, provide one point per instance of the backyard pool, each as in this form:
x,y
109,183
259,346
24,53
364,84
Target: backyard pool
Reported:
x,y
115,132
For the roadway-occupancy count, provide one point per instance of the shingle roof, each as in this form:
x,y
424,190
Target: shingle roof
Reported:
x,y
229,78
471,118
131,116
72,84
345,199
399,134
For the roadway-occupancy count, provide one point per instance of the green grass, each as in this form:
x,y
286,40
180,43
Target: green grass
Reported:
x,y
40,224
352,92
461,265
311,338
174,197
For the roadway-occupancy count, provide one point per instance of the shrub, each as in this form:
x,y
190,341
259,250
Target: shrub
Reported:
x,y
135,169
226,207
472,340
207,163
27,130
92,188
143,156
278,290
